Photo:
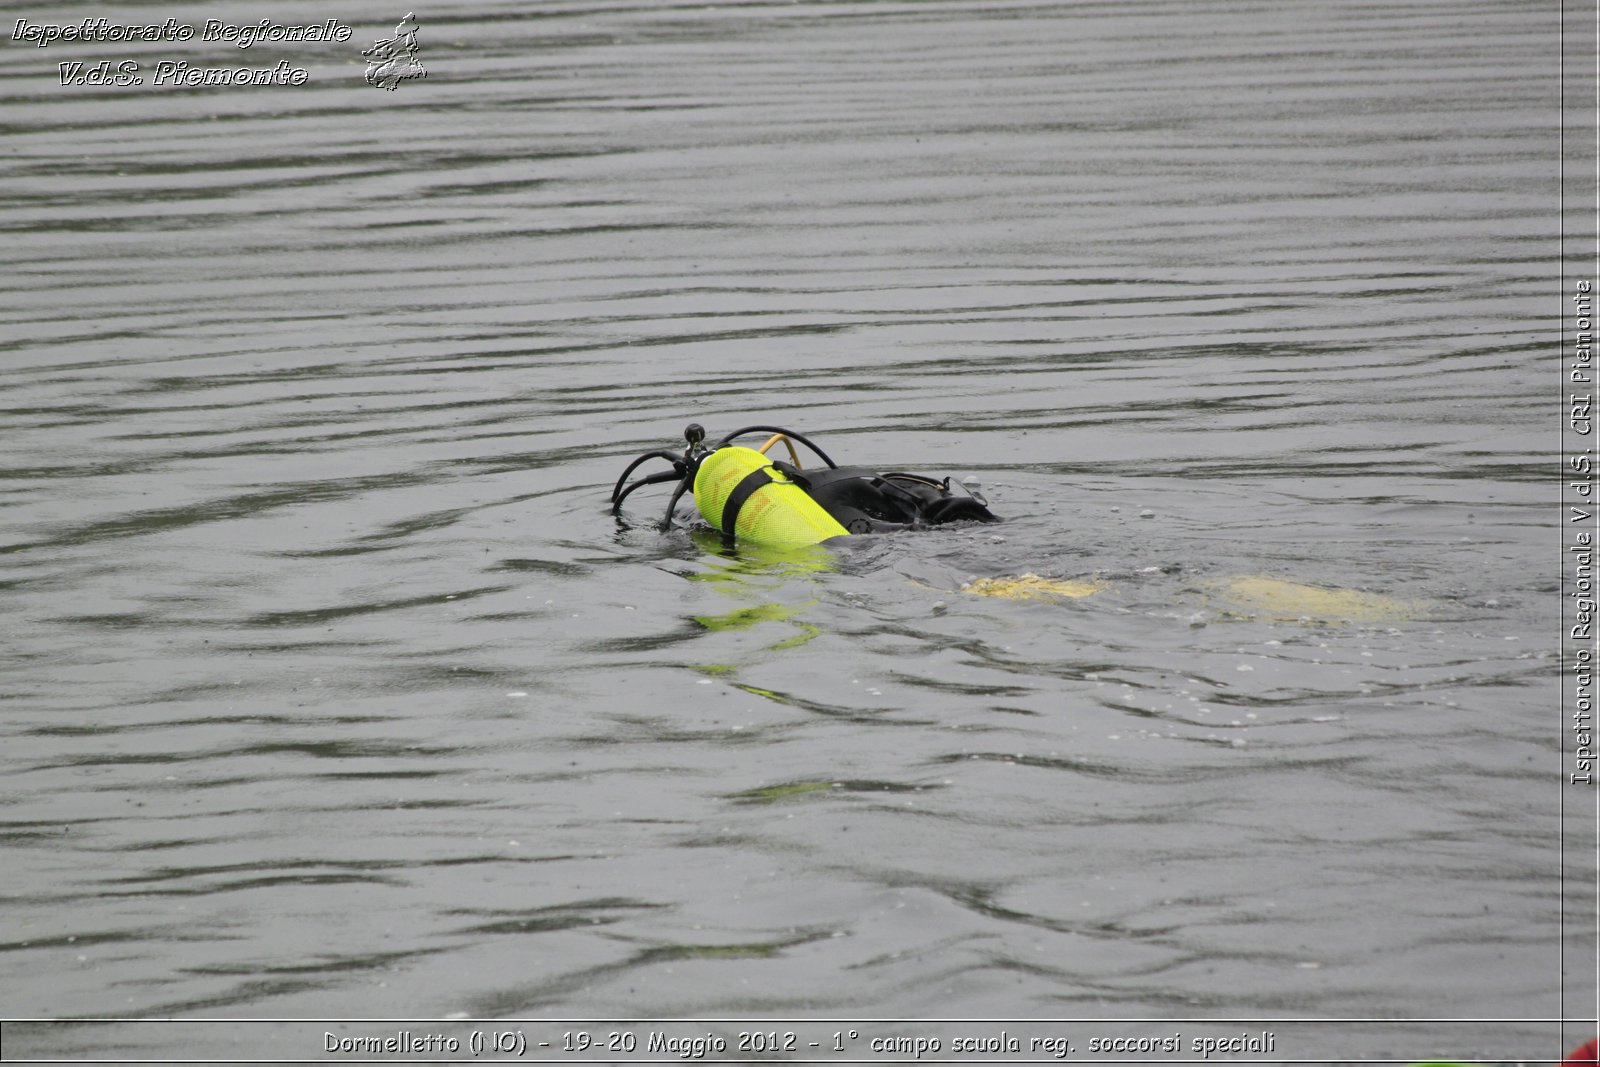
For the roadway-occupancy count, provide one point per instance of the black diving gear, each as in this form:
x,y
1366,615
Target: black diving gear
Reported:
x,y
745,495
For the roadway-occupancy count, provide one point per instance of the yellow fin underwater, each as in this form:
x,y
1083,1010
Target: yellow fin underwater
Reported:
x,y
1033,587
1255,596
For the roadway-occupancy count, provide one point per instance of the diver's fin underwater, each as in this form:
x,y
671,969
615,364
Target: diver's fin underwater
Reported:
x,y
752,498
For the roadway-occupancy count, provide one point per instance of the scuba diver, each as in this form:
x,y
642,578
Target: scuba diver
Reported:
x,y
749,497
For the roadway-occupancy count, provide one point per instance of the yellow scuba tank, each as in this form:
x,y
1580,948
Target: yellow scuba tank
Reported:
x,y
739,492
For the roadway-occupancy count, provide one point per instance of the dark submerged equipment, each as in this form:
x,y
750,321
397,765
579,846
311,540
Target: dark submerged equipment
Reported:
x,y
749,497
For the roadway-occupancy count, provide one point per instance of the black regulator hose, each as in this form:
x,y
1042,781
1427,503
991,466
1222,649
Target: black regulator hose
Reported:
x,y
787,433
617,493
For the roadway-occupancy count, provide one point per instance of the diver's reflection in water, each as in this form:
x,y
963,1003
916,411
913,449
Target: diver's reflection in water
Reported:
x,y
767,566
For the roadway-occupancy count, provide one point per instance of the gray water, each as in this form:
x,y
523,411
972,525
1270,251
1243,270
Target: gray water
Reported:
x,y
333,690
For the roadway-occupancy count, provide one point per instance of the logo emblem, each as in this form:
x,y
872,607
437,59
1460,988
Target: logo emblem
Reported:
x,y
392,61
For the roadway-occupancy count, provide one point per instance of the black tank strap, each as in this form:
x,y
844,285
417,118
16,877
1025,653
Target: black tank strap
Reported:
x,y
742,492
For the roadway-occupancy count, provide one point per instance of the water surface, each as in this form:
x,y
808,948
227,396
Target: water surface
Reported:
x,y
333,690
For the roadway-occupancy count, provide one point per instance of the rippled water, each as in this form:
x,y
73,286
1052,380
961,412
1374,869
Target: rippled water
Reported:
x,y
333,690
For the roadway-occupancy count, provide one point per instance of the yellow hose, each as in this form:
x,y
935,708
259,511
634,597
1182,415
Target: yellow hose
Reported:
x,y
794,457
